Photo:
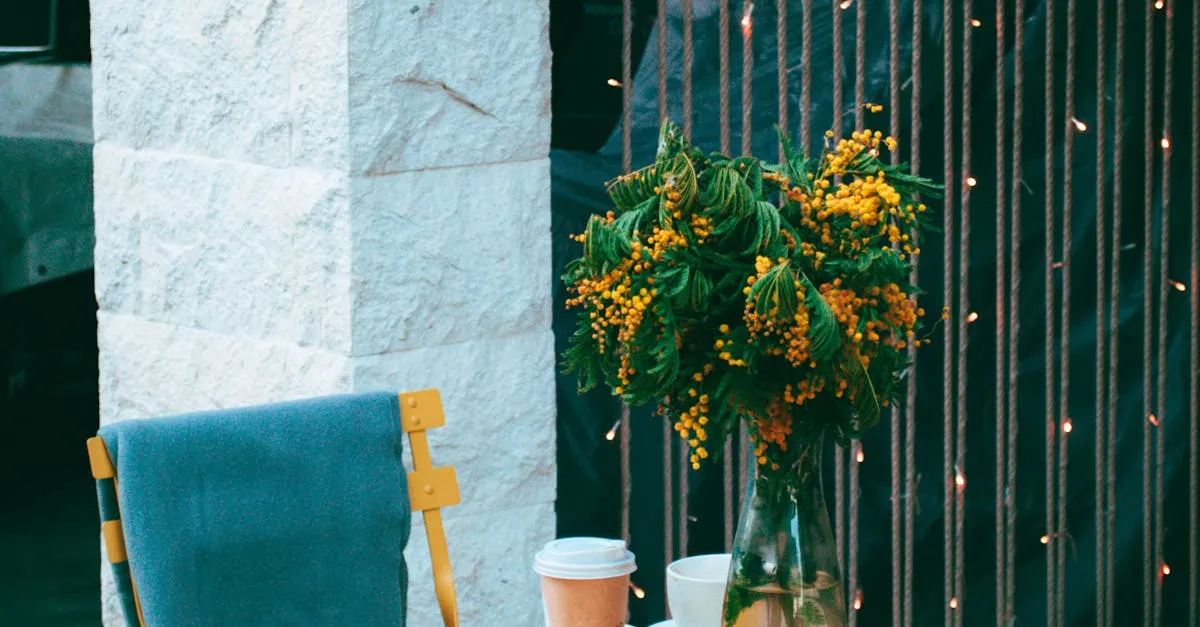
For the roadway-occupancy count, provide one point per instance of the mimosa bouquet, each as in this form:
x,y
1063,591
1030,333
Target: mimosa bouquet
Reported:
x,y
730,290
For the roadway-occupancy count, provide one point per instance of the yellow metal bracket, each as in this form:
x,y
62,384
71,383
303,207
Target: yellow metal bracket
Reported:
x,y
429,489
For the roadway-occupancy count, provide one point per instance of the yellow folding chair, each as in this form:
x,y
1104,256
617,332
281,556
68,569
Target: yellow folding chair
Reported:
x,y
430,489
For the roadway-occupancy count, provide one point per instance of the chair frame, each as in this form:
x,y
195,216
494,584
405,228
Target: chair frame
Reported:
x,y
429,489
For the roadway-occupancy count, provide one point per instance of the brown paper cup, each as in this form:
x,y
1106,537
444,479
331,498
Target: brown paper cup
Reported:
x,y
585,582
586,602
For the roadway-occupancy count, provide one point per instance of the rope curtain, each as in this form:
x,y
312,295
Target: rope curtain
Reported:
x,y
1097,126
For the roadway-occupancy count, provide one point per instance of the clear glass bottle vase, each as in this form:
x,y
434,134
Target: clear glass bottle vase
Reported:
x,y
784,571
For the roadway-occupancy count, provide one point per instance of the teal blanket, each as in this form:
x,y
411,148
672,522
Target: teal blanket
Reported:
x,y
287,514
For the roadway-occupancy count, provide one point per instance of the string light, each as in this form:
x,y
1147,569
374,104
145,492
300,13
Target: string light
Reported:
x,y
746,22
874,152
1153,419
1158,4
954,603
973,316
858,600
959,479
612,433
859,457
1056,265
1179,287
971,182
1080,125
1165,143
846,4
976,23
612,82
1067,427
1166,570
637,592
1045,539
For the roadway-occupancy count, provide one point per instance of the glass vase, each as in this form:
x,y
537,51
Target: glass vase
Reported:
x,y
784,571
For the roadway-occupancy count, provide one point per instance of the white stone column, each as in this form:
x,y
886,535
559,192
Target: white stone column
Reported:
x,y
303,197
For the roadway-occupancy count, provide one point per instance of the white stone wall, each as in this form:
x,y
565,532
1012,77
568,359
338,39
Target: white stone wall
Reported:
x,y
301,197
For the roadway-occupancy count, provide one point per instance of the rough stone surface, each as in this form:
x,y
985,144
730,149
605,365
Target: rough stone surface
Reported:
x,y
246,250
151,369
499,401
436,83
204,77
450,255
298,197
491,554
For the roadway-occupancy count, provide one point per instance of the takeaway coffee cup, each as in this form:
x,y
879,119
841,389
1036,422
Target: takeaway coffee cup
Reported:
x,y
696,589
585,582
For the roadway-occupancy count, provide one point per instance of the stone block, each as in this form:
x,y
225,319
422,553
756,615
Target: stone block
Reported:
x,y
438,83
150,369
220,79
498,397
450,255
246,250
491,555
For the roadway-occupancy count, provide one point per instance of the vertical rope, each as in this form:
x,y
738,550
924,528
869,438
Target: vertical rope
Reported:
x,y
688,61
806,79
1147,312
948,298
669,442
860,89
747,72
895,423
1049,288
1165,289
1001,319
723,53
747,101
839,459
661,25
1101,330
723,39
684,453
1114,317
626,166
910,405
781,54
1065,322
964,257
1014,306
1193,416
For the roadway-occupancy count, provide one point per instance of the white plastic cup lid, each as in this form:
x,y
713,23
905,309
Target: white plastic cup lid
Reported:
x,y
584,558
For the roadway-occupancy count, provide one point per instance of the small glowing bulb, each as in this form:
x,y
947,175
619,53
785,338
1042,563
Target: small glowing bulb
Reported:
x,y
612,82
746,20
1166,570
874,152
846,4
1153,419
1045,539
1080,125
1179,287
971,182
973,316
637,592
1165,143
976,23
954,603
612,433
1158,4
959,480
859,457
858,600
1067,427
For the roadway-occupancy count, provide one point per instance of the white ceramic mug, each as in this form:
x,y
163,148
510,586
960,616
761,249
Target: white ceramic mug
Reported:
x,y
696,589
